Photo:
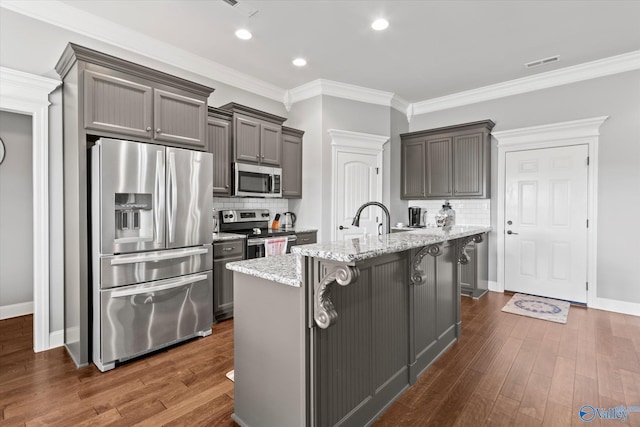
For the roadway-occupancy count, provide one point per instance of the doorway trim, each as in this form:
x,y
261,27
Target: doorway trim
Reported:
x,y
576,132
344,141
25,93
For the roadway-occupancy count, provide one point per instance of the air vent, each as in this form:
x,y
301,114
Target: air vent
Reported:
x,y
544,61
242,8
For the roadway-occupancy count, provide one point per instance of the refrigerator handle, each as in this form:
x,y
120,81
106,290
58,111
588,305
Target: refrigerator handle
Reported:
x,y
127,291
159,196
173,196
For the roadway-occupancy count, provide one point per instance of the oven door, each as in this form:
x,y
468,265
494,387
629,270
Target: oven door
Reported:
x,y
137,319
255,246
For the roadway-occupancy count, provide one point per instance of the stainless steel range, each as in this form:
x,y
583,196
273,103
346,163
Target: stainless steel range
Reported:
x,y
253,223
151,243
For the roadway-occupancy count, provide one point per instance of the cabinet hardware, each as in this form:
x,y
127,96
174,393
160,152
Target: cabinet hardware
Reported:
x,y
227,249
158,130
148,128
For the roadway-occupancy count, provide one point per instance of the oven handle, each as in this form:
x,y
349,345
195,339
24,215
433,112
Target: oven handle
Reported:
x,y
161,287
134,259
255,242
260,241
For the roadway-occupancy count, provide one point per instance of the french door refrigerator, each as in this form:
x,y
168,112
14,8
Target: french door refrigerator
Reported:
x,y
152,260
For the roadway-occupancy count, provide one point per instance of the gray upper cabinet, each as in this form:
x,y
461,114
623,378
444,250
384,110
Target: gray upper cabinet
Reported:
x,y
449,162
219,144
291,163
438,169
246,137
179,119
257,135
270,144
116,105
413,166
123,99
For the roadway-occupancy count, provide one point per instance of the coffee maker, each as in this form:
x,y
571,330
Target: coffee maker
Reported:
x,y
414,217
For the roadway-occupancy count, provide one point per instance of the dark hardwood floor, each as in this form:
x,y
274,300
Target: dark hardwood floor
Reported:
x,y
506,370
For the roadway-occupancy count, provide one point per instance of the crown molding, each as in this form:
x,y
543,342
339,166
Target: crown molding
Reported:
x,y
346,91
575,129
589,70
67,17
360,140
26,87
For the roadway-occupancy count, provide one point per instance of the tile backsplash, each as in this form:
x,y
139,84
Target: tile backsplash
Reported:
x,y
468,211
274,205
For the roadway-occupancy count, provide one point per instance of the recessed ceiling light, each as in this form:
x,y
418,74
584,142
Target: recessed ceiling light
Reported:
x,y
243,34
380,24
299,62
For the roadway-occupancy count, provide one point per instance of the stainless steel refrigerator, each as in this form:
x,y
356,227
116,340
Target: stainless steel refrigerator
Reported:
x,y
152,258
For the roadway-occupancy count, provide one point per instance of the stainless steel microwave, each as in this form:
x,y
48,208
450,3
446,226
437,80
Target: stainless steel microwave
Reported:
x,y
256,181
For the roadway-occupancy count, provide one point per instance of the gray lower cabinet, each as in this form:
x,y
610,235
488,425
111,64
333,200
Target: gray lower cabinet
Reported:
x,y
449,162
257,135
219,144
224,252
474,275
291,163
305,238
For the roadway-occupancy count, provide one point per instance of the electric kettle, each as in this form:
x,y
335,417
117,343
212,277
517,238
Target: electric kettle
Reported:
x,y
288,220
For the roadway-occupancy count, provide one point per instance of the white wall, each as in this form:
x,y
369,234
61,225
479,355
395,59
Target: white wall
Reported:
x,y
307,115
616,96
16,216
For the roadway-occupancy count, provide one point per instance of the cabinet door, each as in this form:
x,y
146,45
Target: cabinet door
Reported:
x,y
469,174
113,104
291,166
179,119
468,272
219,144
246,139
306,238
439,170
270,144
412,175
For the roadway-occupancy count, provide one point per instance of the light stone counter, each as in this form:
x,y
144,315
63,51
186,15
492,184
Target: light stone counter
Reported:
x,y
359,249
283,269
219,237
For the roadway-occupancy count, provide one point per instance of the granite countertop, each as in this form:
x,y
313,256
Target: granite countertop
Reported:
x,y
285,269
219,237
364,248
304,230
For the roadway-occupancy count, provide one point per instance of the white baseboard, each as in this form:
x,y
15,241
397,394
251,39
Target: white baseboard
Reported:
x,y
56,339
623,307
493,286
15,310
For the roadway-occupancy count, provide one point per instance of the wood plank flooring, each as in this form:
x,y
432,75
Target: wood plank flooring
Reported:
x,y
506,370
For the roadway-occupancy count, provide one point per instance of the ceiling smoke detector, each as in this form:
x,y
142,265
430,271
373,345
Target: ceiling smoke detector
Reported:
x,y
243,8
544,61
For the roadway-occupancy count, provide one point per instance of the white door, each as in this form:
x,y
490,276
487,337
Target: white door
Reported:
x,y
546,222
358,181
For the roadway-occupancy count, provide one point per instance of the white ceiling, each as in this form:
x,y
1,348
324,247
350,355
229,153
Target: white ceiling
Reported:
x,y
431,48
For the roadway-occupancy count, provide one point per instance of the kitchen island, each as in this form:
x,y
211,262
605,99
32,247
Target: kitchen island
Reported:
x,y
333,333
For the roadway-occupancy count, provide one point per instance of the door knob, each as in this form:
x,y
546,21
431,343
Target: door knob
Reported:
x,y
511,232
342,227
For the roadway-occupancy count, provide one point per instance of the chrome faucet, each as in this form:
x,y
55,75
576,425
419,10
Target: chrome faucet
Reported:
x,y
356,219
